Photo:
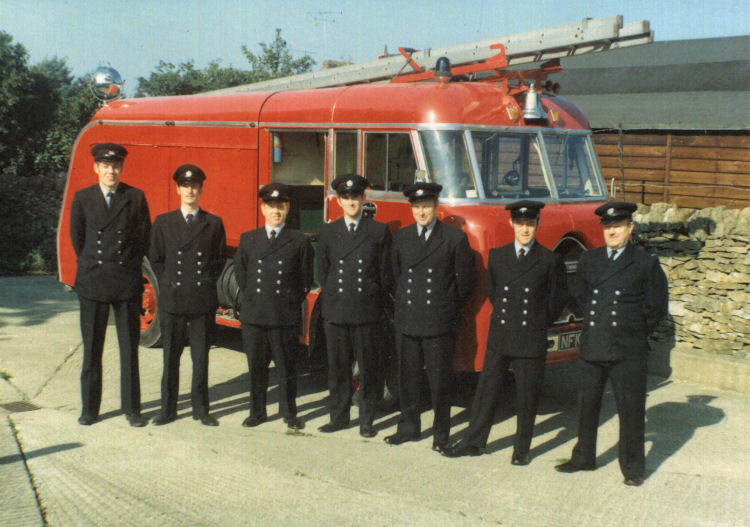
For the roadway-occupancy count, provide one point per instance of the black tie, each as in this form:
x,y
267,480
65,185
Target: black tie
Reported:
x,y
272,236
189,220
612,255
352,228
423,235
521,253
109,198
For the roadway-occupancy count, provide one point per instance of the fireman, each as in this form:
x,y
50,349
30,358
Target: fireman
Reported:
x,y
526,286
187,256
624,294
434,273
274,270
109,228
354,275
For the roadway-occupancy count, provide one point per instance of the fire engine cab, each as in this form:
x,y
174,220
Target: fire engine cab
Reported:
x,y
488,134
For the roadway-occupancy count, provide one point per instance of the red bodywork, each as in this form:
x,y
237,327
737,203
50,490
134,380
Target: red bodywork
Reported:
x,y
229,136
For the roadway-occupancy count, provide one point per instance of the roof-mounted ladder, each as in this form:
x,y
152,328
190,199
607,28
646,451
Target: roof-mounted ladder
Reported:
x,y
589,36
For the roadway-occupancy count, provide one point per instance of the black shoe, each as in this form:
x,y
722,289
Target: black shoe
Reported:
x,y
520,459
136,420
461,450
292,423
87,420
400,437
163,419
441,446
570,467
367,431
333,426
206,419
254,420
634,481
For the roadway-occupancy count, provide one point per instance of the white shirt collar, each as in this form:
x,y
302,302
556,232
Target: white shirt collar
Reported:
x,y
106,191
185,212
429,227
277,229
526,247
356,222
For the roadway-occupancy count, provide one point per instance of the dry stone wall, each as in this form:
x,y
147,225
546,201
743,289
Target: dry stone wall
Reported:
x,y
704,253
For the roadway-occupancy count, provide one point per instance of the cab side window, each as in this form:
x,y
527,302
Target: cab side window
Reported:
x,y
389,160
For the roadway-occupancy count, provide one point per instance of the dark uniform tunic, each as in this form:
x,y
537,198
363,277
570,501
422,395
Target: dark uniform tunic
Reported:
x,y
274,278
527,294
623,301
187,261
354,273
433,281
110,243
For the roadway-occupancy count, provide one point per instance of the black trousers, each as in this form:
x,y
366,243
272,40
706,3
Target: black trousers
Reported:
x,y
174,331
629,386
94,317
436,353
261,344
529,374
346,343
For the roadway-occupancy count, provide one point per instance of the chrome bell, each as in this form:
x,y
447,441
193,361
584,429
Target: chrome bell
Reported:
x,y
532,106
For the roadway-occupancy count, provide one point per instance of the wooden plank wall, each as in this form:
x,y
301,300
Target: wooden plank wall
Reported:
x,y
689,170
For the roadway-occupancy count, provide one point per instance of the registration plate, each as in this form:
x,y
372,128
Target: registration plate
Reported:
x,y
565,341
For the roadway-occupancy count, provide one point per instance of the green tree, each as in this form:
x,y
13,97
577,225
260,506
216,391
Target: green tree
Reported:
x,y
275,60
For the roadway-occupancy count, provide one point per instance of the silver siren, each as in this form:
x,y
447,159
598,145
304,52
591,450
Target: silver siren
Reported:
x,y
532,105
106,84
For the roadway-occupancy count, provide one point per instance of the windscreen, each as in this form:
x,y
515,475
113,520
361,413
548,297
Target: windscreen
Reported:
x,y
572,164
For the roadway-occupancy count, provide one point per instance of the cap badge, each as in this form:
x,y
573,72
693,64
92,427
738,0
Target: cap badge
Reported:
x,y
522,210
419,192
188,173
611,211
349,183
111,153
275,194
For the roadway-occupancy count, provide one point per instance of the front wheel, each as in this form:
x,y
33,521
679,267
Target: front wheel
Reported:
x,y
150,328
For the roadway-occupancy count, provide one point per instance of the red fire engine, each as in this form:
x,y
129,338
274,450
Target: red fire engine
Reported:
x,y
487,133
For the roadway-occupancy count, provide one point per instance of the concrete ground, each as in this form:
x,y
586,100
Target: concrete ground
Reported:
x,y
56,472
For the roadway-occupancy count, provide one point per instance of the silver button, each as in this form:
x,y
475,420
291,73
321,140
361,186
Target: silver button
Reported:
x,y
200,253
260,261
505,288
411,270
596,291
614,323
179,253
429,270
591,323
525,301
198,271
614,302
429,291
259,271
409,280
428,302
99,251
179,272
178,284
281,272
99,242
591,312
505,300
200,263
523,323
525,312
179,262
258,280
408,301
341,290
281,262
341,262
408,291
198,283
526,289
359,270
258,290
341,280
359,289
278,281
100,262
617,292
614,313
359,280
341,271
429,280
359,261
593,301
502,321
278,292
503,310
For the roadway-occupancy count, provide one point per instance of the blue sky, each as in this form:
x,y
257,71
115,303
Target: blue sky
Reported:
x,y
133,35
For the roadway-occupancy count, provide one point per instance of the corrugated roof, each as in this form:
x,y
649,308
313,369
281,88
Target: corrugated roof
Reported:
x,y
701,84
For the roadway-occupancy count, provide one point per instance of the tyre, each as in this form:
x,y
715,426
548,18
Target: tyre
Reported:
x,y
150,328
